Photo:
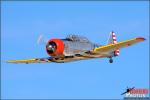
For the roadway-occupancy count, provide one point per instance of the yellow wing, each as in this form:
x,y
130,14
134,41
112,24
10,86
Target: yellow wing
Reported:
x,y
34,60
112,47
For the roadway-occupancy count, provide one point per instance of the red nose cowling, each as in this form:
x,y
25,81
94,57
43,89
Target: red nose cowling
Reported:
x,y
55,47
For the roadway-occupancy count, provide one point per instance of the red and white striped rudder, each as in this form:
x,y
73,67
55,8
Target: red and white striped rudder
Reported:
x,y
116,52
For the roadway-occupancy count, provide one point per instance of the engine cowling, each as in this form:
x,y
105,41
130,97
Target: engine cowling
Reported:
x,y
55,47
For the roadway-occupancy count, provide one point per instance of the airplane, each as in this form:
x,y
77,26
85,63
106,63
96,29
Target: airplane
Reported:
x,y
128,90
76,47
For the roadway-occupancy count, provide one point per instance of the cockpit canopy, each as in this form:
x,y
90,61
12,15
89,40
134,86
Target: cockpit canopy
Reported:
x,y
79,38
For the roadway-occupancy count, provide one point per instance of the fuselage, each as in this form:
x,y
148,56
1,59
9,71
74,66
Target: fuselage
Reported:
x,y
70,46
77,47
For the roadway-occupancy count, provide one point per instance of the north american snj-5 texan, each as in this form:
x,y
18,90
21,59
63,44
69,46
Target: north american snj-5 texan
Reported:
x,y
75,47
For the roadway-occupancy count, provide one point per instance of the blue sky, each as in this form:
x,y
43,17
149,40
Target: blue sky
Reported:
x,y
21,24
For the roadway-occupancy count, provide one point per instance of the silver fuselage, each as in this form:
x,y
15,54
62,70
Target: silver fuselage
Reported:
x,y
77,47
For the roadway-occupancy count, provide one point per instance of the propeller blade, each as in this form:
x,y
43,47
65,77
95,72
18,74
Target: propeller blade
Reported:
x,y
41,40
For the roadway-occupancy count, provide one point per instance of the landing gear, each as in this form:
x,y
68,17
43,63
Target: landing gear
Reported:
x,y
110,60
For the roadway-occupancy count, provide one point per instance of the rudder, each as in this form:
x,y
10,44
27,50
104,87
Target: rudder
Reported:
x,y
112,40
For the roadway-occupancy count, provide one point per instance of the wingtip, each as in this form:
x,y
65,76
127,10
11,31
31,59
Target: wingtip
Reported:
x,y
141,38
9,61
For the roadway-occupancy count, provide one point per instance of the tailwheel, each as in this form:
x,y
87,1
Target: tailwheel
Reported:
x,y
110,60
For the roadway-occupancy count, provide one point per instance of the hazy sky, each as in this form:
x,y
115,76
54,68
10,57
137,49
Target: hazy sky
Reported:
x,y
21,24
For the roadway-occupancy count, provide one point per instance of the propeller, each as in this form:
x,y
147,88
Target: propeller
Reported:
x,y
42,40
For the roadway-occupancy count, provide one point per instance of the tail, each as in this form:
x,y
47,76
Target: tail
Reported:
x,y
112,40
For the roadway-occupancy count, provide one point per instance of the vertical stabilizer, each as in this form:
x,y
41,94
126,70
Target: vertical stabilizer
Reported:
x,y
112,40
